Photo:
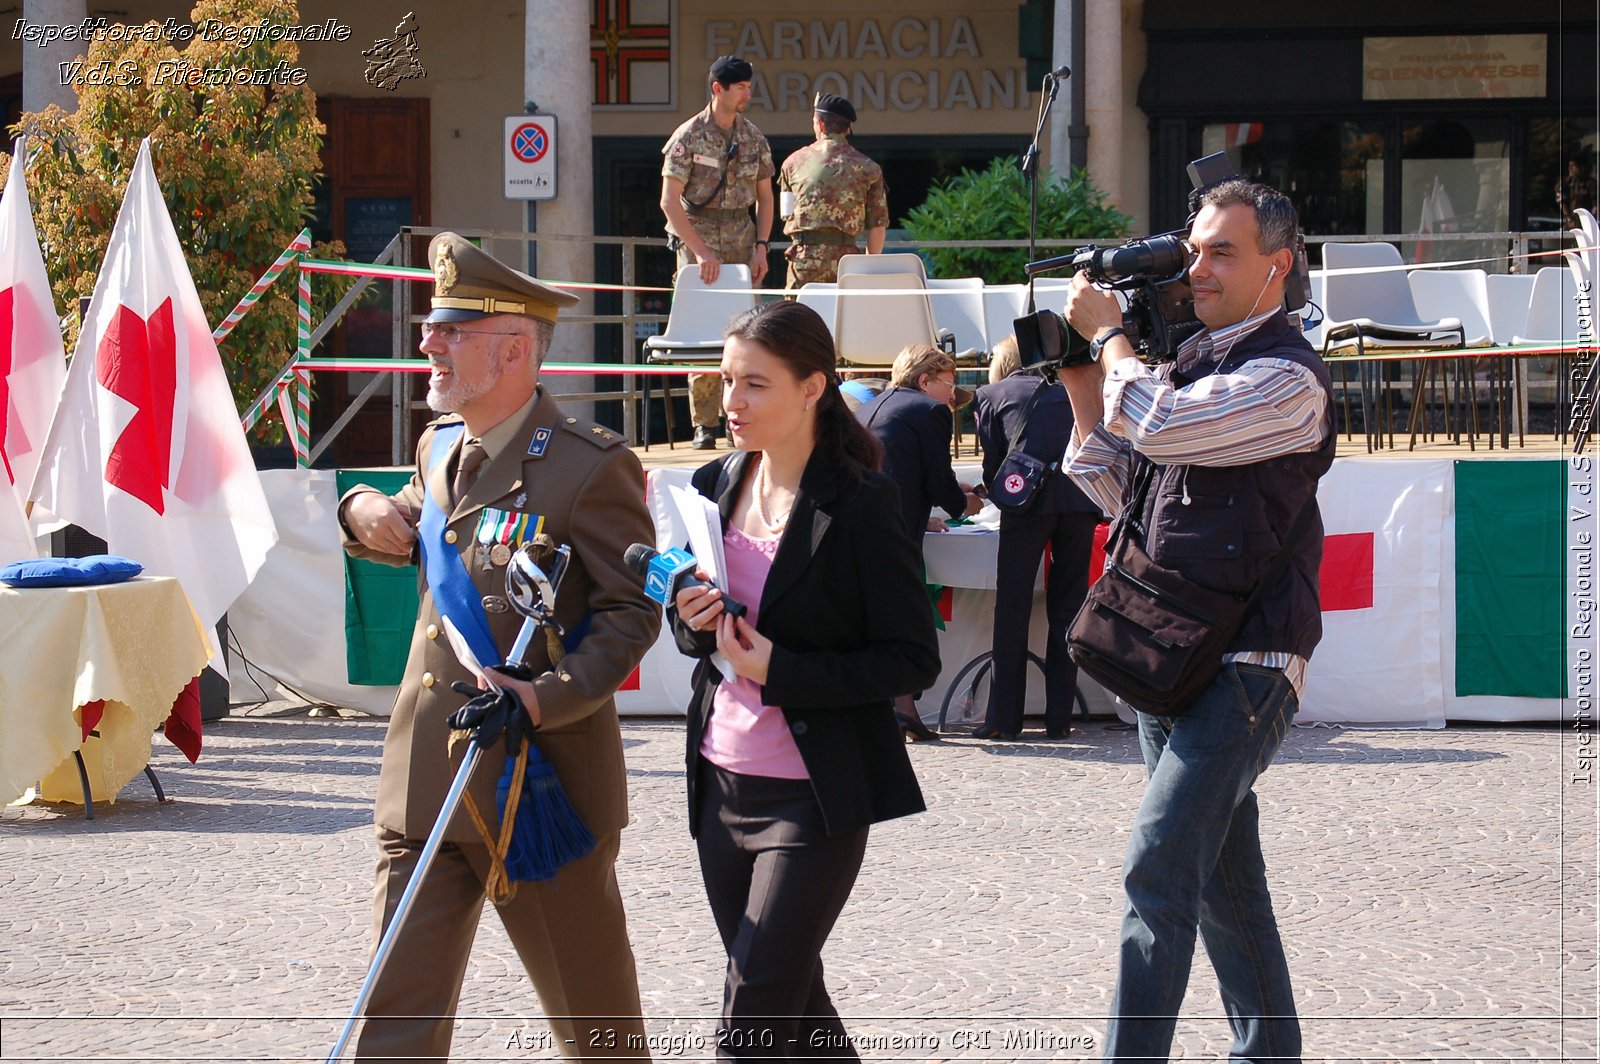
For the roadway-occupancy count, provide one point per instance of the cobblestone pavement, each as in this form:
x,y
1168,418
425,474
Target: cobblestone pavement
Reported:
x,y
1436,891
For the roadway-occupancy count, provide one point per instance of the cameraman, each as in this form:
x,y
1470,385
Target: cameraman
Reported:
x,y
1238,429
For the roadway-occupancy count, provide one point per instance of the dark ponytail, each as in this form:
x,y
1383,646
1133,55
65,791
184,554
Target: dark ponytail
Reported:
x,y
797,336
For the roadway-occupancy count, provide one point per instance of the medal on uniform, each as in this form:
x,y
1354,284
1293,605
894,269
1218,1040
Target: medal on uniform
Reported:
x,y
501,530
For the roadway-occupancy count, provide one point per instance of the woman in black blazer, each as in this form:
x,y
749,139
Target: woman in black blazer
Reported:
x,y
914,420
796,752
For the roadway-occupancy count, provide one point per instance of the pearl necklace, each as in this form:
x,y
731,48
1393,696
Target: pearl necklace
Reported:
x,y
761,500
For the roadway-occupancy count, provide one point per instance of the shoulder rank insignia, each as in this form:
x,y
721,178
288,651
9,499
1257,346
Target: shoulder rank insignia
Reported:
x,y
540,441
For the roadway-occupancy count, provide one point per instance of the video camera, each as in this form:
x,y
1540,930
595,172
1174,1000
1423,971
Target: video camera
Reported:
x,y
1153,277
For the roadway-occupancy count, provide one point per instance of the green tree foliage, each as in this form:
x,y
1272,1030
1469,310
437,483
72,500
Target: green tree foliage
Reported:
x,y
992,204
235,163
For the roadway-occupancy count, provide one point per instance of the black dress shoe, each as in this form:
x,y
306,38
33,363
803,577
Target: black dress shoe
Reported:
x,y
983,731
914,730
1058,733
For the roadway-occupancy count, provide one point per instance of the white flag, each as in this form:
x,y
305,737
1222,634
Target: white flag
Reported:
x,y
32,361
146,450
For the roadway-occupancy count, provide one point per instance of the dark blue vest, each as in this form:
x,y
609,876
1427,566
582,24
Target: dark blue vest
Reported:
x,y
1221,525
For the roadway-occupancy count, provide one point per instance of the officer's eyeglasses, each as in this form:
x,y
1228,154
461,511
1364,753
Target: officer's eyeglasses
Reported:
x,y
454,334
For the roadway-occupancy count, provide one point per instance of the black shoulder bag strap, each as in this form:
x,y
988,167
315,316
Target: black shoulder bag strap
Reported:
x,y
1045,383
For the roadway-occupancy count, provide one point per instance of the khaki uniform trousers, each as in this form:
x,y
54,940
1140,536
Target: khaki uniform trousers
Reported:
x,y
816,262
570,932
705,389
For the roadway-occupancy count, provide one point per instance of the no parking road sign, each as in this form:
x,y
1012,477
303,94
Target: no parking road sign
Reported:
x,y
530,142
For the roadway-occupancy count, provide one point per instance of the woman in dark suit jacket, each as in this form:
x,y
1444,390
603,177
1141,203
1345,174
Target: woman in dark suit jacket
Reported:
x,y
1063,518
796,752
914,420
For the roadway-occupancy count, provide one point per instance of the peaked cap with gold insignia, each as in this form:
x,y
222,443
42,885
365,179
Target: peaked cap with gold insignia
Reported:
x,y
469,283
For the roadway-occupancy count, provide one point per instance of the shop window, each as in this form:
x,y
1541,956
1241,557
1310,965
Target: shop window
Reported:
x,y
1325,167
1455,177
1562,170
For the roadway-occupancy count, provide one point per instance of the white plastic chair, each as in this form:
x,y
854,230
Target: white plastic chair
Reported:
x,y
1049,293
1462,294
899,262
1552,308
1376,309
1510,295
698,317
822,297
1002,305
700,314
870,329
958,309
1318,307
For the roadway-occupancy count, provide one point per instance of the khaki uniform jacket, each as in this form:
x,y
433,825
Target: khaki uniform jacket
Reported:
x,y
589,490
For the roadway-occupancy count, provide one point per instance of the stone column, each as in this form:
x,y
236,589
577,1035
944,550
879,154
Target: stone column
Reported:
x,y
1068,135
41,70
1103,96
556,77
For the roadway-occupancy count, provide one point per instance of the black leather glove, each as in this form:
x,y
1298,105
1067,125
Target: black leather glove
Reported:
x,y
489,714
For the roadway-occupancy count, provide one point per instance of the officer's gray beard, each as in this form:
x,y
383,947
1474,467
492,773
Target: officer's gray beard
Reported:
x,y
459,392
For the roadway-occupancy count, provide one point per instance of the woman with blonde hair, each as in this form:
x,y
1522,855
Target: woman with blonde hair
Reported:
x,y
913,419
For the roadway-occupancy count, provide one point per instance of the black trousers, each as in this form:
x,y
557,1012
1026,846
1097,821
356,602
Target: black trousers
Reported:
x,y
776,881
1022,540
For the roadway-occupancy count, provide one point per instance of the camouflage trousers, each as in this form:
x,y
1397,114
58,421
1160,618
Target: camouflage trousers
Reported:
x,y
705,389
815,262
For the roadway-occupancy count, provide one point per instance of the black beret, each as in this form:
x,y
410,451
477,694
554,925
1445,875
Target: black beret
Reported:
x,y
829,104
730,70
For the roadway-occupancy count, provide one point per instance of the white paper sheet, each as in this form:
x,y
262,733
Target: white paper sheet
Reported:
x,y
703,521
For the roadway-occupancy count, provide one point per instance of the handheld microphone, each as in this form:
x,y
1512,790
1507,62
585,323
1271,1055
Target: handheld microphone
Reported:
x,y
665,574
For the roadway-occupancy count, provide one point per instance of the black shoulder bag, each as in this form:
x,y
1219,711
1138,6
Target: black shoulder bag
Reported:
x,y
1018,481
1149,635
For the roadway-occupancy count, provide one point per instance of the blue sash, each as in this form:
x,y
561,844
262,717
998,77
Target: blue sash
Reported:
x,y
454,594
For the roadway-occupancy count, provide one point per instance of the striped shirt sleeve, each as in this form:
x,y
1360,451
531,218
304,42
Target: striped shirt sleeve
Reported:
x,y
1101,466
1266,408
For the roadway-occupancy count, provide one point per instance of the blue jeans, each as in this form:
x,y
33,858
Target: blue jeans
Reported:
x,y
1194,861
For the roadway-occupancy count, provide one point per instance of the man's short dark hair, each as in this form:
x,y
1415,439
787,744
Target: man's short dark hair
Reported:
x,y
832,124
1277,222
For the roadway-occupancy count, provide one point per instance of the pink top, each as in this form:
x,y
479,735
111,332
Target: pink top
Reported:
x,y
743,735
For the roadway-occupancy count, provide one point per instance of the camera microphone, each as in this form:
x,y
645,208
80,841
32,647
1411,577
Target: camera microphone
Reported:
x,y
667,572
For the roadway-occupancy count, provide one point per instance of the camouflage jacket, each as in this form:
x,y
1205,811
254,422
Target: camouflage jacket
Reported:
x,y
697,151
835,187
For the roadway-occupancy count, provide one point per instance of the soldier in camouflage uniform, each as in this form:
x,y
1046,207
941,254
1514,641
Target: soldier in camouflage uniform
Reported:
x,y
715,166
837,194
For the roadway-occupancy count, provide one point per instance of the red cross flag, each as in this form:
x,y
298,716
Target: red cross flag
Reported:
x,y
146,450
32,361
1380,658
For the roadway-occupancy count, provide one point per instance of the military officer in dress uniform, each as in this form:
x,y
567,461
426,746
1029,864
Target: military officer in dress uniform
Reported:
x,y
714,167
831,194
502,465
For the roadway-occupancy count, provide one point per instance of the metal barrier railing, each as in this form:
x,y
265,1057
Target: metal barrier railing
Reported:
x,y
402,251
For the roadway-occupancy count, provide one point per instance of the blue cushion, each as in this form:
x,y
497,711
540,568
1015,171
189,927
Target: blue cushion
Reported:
x,y
70,572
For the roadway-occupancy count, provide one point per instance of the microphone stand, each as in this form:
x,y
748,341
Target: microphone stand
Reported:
x,y
1030,169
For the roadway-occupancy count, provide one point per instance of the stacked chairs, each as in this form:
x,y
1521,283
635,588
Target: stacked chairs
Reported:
x,y
1373,311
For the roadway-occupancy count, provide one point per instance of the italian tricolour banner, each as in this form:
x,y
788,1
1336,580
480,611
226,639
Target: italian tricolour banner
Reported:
x,y
1441,581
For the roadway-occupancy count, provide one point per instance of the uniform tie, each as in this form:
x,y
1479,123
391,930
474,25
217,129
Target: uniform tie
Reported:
x,y
471,459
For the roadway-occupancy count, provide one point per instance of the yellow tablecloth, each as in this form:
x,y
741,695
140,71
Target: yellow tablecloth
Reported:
x,y
136,645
